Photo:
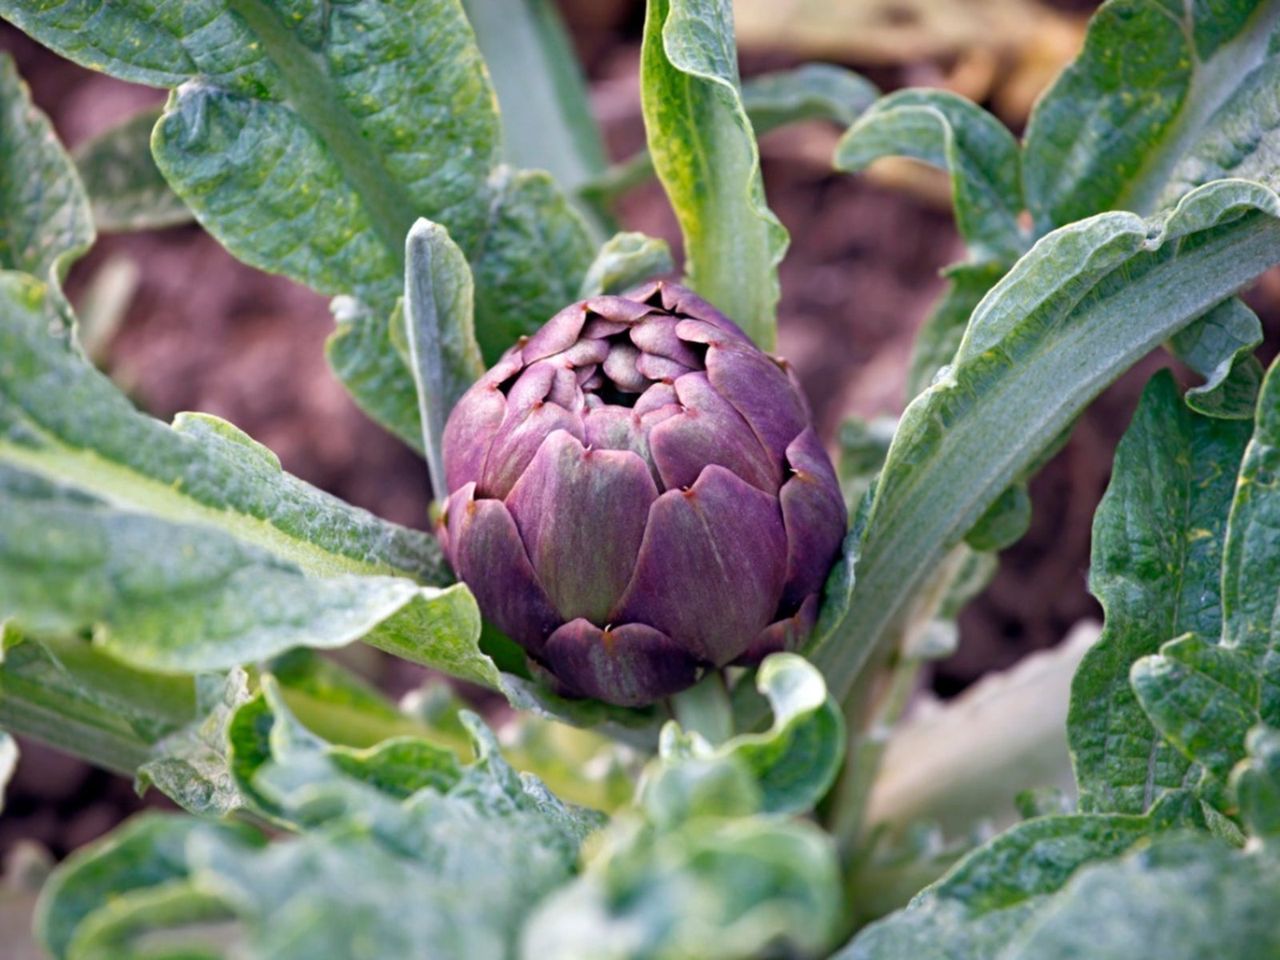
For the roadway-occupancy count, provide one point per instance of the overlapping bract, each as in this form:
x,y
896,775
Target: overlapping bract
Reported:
x,y
636,494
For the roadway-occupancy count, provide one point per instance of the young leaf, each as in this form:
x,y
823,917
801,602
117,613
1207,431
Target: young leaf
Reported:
x,y
1158,94
706,157
126,189
1219,346
1009,394
626,260
1157,560
940,335
44,215
8,760
439,317
950,132
811,91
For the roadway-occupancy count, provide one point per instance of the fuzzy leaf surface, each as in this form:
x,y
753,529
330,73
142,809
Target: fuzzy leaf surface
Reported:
x,y
126,189
705,154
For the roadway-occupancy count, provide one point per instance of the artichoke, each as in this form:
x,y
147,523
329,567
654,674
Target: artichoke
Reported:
x,y
636,495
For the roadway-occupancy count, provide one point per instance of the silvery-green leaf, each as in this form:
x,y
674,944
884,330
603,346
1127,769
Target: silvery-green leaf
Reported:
x,y
146,853
863,445
44,215
797,759
126,189
1008,395
1163,98
439,317
940,335
190,765
705,154
625,260
950,132
714,889
1181,899
1157,559
403,852
811,91
1219,346
8,760
187,546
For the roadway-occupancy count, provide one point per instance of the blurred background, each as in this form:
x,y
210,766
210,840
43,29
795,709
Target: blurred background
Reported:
x,y
195,330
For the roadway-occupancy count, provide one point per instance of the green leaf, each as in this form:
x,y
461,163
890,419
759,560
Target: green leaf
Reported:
x,y
190,765
546,115
950,132
863,445
1009,395
1219,346
811,91
713,889
626,260
149,851
439,317
1205,698
706,157
1182,899
187,546
979,906
1256,783
797,759
309,140
45,222
8,760
1188,89
197,926
63,420
126,189
1157,559
403,852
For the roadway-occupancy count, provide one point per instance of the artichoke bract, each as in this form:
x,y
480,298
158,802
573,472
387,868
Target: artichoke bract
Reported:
x,y
636,495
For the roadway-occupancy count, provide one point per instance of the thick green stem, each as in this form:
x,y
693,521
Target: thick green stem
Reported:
x,y
705,709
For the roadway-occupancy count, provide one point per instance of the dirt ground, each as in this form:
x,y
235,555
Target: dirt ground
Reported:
x,y
204,332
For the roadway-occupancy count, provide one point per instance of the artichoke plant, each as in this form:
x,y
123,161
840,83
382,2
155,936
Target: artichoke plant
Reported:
x,y
636,495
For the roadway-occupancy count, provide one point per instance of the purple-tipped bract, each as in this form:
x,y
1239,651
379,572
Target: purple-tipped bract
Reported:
x,y
636,494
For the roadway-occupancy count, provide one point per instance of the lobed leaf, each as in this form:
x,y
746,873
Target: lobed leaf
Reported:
x,y
1157,559
1256,782
625,260
1009,394
126,189
404,852
705,154
950,132
1220,347
811,91
45,221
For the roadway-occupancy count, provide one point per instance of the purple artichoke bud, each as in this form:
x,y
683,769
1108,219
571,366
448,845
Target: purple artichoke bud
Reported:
x,y
636,495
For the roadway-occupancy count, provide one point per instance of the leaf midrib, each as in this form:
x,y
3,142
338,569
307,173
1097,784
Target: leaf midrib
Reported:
x,y
126,489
